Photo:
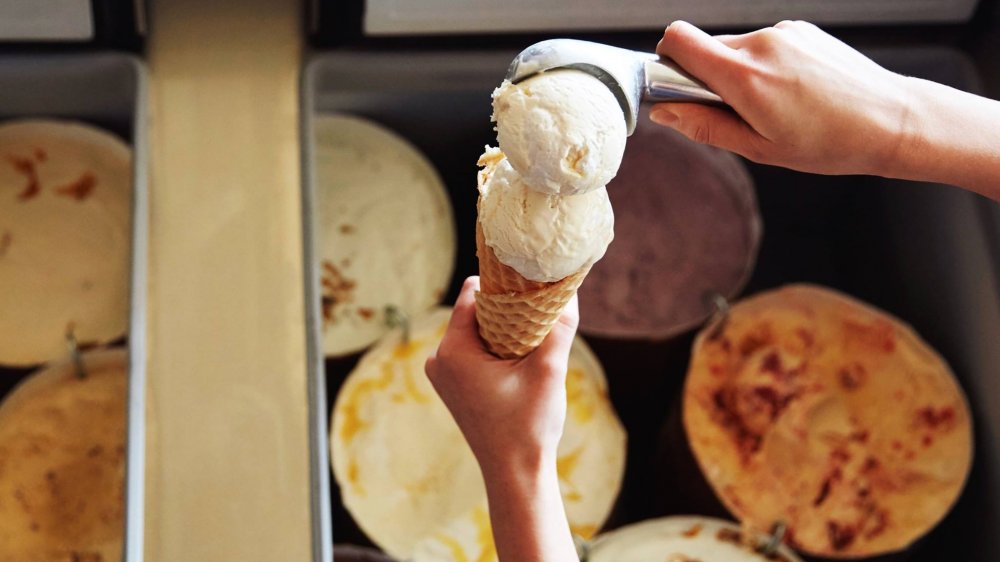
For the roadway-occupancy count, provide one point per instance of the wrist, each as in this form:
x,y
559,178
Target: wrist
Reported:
x,y
519,471
902,138
526,508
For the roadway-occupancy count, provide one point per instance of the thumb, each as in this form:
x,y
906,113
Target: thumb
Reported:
x,y
554,350
708,125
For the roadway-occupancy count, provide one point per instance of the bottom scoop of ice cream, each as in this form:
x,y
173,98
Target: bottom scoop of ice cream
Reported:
x,y
543,237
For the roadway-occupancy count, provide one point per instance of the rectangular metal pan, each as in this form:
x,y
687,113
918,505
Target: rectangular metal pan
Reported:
x,y
107,90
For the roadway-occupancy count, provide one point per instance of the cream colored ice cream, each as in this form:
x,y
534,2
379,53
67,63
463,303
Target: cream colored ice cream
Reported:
x,y
563,131
65,204
383,216
544,237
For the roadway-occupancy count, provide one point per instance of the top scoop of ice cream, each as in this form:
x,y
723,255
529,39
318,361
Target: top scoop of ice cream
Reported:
x,y
563,131
544,237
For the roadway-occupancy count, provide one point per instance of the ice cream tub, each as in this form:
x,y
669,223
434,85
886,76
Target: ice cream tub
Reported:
x,y
687,232
684,539
73,232
805,407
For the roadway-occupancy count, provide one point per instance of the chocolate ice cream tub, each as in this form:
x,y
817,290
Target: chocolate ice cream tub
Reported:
x,y
687,233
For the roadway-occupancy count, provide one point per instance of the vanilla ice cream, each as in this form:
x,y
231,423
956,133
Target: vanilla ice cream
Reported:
x,y
544,237
65,207
563,131
382,214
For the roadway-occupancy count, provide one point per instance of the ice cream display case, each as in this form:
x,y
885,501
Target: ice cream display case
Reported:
x,y
924,253
770,365
72,317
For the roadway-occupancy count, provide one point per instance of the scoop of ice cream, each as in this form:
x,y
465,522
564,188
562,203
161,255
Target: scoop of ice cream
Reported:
x,y
544,237
563,131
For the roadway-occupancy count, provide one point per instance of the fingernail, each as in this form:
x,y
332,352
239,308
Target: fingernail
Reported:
x,y
663,117
678,26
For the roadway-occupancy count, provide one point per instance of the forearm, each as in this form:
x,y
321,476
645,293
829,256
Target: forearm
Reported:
x,y
527,513
950,137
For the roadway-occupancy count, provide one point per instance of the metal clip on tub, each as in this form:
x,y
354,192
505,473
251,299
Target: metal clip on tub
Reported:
x,y
632,76
74,353
769,547
396,318
582,547
720,315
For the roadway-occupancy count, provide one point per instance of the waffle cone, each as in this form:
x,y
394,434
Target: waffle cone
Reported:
x,y
514,313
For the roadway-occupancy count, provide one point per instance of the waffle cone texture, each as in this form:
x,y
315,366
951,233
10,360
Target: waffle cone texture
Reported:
x,y
514,313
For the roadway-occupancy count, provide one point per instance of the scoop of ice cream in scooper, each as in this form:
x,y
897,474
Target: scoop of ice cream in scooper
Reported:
x,y
561,130
632,76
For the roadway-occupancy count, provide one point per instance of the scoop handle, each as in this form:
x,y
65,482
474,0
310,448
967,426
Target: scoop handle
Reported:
x,y
665,81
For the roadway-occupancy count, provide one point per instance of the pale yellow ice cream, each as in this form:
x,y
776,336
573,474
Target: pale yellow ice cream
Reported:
x,y
544,237
563,131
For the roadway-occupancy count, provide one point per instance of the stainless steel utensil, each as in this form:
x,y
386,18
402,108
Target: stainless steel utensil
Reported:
x,y
632,76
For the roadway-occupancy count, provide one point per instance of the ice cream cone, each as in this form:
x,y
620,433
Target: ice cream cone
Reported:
x,y
514,313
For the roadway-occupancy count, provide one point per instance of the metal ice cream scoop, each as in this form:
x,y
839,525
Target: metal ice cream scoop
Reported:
x,y
632,76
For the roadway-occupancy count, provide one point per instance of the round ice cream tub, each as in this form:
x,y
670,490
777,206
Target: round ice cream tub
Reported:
x,y
686,539
808,407
687,228
65,219
385,231
62,446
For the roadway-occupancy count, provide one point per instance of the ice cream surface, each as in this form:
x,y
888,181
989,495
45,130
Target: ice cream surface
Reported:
x,y
65,204
63,443
813,408
544,237
382,215
683,539
563,131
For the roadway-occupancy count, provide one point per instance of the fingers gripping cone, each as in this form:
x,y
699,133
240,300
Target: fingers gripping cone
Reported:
x,y
515,314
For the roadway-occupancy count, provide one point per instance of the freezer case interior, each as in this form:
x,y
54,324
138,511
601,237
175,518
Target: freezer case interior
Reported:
x,y
926,253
